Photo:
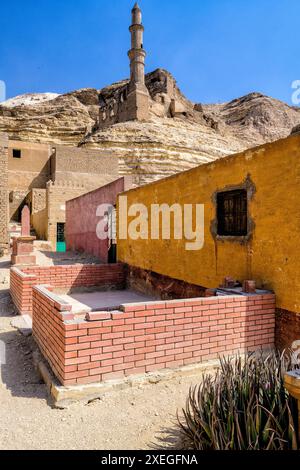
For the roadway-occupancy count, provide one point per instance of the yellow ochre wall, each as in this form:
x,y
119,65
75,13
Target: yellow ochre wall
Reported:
x,y
271,256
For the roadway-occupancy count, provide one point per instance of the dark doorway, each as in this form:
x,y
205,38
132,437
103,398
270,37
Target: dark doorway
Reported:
x,y
112,254
60,240
112,246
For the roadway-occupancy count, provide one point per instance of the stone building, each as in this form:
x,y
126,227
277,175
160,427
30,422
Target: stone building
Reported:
x,y
133,100
45,177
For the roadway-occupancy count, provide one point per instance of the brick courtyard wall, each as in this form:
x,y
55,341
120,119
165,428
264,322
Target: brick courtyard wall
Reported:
x,y
65,277
142,338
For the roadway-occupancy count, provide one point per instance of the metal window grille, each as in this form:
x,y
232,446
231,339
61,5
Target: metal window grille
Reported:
x,y
232,213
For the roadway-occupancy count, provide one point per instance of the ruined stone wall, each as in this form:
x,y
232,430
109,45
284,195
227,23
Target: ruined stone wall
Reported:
x,y
37,202
31,170
120,104
3,193
75,172
85,166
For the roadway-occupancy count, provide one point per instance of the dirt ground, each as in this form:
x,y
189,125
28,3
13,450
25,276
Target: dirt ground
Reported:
x,y
141,418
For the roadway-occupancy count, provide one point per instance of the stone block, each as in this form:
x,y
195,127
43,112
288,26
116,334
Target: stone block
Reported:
x,y
22,252
249,287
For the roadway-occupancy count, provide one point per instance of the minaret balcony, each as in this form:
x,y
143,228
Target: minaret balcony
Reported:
x,y
136,27
134,54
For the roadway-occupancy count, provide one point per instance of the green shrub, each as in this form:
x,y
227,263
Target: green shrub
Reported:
x,y
244,407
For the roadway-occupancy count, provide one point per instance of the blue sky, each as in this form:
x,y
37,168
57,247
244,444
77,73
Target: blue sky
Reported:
x,y
217,49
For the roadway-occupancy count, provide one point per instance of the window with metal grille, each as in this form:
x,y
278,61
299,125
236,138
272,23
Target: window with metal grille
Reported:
x,y
16,153
60,232
232,213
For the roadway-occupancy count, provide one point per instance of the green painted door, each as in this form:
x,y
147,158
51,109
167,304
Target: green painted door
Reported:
x,y
61,247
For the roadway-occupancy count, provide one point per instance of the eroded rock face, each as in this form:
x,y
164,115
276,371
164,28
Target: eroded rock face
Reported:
x,y
296,130
161,147
256,118
178,136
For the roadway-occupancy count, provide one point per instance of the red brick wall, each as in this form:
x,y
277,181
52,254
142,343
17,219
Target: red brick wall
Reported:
x,y
149,337
287,328
21,282
21,289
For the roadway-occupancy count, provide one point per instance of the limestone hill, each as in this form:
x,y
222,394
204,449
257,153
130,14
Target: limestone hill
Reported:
x,y
179,135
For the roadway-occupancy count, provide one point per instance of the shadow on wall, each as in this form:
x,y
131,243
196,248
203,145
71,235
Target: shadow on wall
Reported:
x,y
38,182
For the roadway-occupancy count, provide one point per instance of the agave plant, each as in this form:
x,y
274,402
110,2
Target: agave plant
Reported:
x,y
243,407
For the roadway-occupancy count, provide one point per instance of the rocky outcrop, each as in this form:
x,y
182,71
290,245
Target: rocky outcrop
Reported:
x,y
178,136
255,118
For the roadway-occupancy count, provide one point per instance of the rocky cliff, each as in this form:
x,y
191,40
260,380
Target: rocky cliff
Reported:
x,y
179,135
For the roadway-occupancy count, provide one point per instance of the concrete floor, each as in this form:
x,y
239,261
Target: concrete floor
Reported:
x,y
108,300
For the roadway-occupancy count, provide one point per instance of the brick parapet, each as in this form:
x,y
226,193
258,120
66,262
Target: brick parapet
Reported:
x,y
64,277
147,337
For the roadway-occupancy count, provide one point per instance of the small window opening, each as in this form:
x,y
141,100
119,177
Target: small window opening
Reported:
x,y
16,153
232,213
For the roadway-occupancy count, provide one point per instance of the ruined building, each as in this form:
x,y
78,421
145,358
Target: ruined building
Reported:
x,y
141,97
132,100
45,177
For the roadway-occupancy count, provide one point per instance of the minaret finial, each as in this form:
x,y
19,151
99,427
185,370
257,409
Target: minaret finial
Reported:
x,y
136,14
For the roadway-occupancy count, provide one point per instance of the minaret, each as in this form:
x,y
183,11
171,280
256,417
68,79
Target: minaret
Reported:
x,y
138,95
137,54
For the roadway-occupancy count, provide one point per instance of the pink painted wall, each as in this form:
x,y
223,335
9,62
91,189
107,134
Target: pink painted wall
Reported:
x,y
81,219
